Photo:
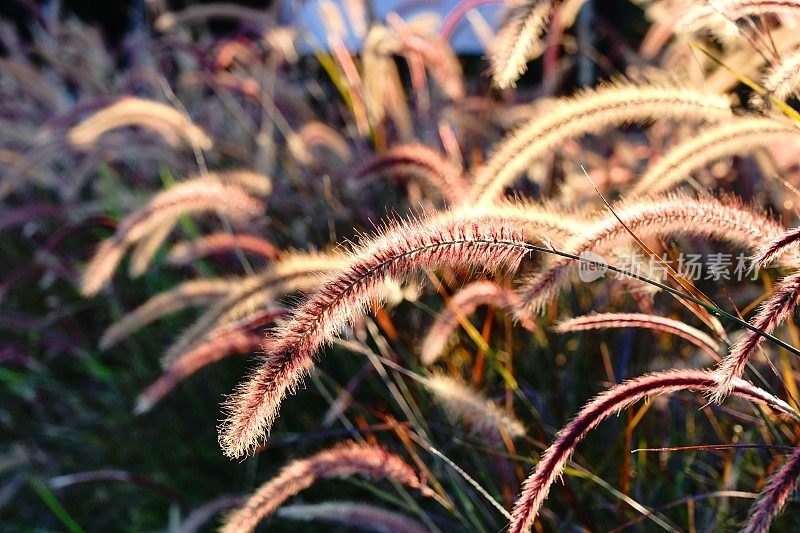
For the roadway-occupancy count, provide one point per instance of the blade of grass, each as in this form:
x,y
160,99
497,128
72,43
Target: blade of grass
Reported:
x,y
52,503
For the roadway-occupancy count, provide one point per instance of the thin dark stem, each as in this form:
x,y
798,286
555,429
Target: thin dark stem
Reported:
x,y
711,308
715,447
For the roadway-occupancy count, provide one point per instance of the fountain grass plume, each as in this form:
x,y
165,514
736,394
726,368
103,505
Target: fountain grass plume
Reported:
x,y
341,461
671,215
395,253
642,321
771,313
774,495
591,111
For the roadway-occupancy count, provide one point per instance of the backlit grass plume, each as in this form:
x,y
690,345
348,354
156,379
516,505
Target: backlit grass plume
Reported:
x,y
775,494
782,79
727,139
519,40
462,402
642,321
188,197
539,221
776,248
146,249
552,463
170,123
421,163
341,461
721,15
771,314
672,215
590,111
461,304
394,254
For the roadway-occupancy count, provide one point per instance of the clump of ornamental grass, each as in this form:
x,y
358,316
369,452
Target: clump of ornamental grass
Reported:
x,y
260,110
341,461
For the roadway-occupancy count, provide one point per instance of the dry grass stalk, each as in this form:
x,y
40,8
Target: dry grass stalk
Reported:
x,y
481,415
188,197
777,247
552,463
187,252
640,320
165,120
197,292
771,314
672,215
519,40
463,303
362,516
342,461
590,111
774,495
394,254
736,137
239,337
